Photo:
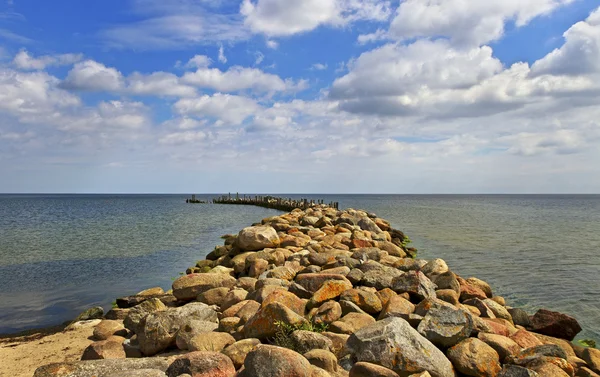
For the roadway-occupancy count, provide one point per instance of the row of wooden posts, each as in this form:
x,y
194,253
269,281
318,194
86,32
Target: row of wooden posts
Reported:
x,y
283,204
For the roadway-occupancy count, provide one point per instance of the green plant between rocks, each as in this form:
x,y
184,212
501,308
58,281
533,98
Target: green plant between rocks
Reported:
x,y
589,343
283,333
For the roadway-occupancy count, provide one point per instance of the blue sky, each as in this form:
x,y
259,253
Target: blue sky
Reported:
x,y
324,96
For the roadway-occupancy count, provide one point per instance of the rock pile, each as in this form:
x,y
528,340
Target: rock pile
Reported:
x,y
319,293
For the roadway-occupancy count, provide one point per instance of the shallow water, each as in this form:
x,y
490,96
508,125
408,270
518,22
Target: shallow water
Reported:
x,y
62,253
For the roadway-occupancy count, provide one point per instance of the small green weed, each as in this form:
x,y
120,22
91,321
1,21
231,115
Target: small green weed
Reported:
x,y
590,343
283,334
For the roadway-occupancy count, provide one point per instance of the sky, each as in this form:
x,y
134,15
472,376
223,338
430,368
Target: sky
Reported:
x,y
300,96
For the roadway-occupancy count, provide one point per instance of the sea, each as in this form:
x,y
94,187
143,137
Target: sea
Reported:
x,y
61,254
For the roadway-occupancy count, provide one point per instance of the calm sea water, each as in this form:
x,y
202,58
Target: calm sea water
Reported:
x,y
60,254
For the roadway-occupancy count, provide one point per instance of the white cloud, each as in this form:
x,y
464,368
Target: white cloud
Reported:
x,y
319,67
228,108
23,60
96,77
199,61
283,18
158,84
579,55
239,78
465,22
222,57
273,45
93,76
179,138
259,58
184,123
395,70
379,35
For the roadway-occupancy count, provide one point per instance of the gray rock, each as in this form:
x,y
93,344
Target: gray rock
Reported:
x,y
95,368
202,364
191,328
138,312
435,267
367,224
498,310
394,344
447,280
138,373
416,284
158,330
516,371
305,341
520,317
446,326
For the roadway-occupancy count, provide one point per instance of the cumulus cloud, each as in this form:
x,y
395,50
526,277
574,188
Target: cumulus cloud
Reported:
x,y
465,22
199,61
230,109
283,18
319,67
93,76
579,55
23,60
239,78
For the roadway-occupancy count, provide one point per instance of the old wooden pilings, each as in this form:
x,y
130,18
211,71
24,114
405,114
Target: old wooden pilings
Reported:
x,y
282,204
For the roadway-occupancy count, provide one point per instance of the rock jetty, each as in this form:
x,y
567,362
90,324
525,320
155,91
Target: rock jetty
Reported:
x,y
325,293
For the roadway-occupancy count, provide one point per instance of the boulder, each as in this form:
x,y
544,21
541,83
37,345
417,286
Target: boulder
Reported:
x,y
138,312
304,341
592,358
327,313
498,310
159,330
151,292
89,314
503,345
233,297
323,359
397,306
210,341
416,284
435,267
213,296
520,317
362,369
472,357
238,351
447,280
351,322
273,361
516,371
394,344
256,238
555,324
137,373
312,282
202,364
190,329
94,368
264,324
485,287
108,328
445,326
329,290
188,287
525,339
367,301
112,348
286,298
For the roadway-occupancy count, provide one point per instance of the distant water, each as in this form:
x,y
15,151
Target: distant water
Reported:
x,y
60,254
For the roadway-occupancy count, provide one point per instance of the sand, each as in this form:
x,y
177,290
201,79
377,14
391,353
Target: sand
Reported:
x,y
21,355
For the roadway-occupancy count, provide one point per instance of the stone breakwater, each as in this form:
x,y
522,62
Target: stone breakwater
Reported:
x,y
321,292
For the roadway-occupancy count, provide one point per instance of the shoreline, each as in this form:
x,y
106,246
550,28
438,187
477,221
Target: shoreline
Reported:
x,y
349,271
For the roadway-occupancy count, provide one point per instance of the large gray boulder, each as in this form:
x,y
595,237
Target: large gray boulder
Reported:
x,y
445,326
416,284
394,344
256,238
96,368
158,330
